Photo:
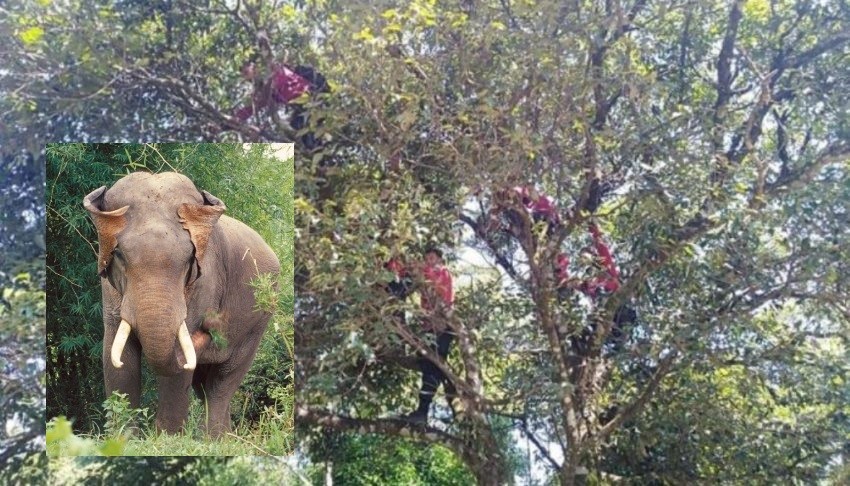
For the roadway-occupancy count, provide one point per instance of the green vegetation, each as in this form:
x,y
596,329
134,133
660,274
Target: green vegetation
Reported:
x,y
373,460
256,188
22,376
22,316
167,471
719,129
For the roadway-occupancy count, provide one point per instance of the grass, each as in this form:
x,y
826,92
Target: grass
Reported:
x,y
182,445
272,435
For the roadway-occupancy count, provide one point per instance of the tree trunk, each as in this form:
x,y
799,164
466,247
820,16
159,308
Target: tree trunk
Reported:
x,y
329,473
576,476
489,473
485,458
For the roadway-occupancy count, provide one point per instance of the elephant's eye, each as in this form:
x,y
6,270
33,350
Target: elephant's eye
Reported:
x,y
117,253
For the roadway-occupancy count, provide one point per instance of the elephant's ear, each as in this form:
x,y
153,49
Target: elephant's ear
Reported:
x,y
108,224
199,220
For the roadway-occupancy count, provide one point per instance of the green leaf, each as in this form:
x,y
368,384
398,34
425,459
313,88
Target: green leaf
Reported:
x,y
114,446
60,430
31,36
364,35
758,10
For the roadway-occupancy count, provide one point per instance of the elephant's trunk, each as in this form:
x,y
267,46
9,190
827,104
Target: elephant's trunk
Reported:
x,y
166,341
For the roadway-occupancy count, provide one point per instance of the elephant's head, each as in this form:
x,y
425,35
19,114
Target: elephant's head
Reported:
x,y
153,232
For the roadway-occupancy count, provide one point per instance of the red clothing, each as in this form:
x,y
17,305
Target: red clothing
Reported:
x,y
522,193
286,85
562,273
441,280
609,282
541,206
397,267
544,207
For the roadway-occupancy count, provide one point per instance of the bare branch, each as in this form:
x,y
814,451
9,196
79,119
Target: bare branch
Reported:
x,y
544,451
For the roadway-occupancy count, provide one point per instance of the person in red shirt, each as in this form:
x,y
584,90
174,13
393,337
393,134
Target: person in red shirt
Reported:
x,y
607,282
283,86
540,206
436,301
596,285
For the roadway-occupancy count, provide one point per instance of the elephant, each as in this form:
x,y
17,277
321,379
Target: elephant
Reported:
x,y
173,272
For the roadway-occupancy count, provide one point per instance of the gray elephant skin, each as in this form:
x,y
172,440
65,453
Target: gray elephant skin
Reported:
x,y
174,269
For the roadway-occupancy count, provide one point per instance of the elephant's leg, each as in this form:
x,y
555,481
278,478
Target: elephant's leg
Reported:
x,y
198,379
173,402
128,378
221,385
219,388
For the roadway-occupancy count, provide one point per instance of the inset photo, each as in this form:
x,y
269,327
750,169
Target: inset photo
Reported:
x,y
170,299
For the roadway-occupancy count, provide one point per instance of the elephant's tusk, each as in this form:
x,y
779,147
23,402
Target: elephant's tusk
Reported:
x,y
119,342
187,347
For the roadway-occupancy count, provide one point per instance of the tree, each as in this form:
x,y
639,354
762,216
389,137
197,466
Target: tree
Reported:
x,y
716,130
721,146
22,374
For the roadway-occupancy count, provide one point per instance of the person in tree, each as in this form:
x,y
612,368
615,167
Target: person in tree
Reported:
x,y
282,87
402,283
604,280
608,281
400,286
540,206
437,300
605,276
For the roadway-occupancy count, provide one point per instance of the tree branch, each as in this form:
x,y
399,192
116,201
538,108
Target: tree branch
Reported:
x,y
807,56
433,357
628,412
501,260
19,445
391,427
794,179
534,440
724,72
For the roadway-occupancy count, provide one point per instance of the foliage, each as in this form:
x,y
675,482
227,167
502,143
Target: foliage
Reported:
x,y
725,187
204,471
120,417
253,185
719,129
374,460
61,441
22,375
